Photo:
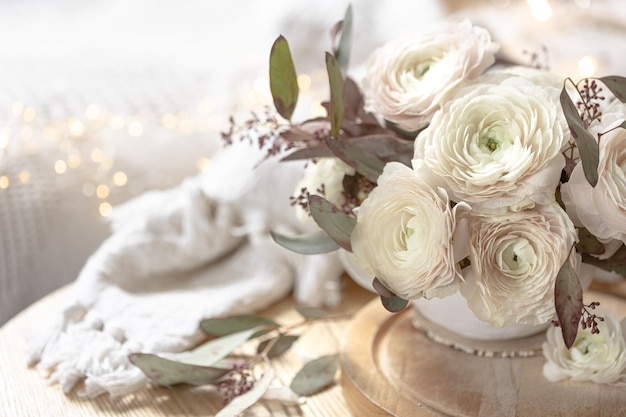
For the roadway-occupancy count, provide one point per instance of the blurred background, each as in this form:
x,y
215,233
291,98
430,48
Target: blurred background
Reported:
x,y
102,100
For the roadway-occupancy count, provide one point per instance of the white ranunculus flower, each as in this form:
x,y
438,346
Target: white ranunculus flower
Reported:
x,y
496,143
602,209
515,258
600,358
406,79
405,233
538,76
323,177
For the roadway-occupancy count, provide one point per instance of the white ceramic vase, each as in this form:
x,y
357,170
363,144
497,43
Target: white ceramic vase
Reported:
x,y
450,313
453,314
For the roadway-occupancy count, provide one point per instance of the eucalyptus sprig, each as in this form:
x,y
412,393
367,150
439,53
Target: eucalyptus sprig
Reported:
x,y
347,132
244,379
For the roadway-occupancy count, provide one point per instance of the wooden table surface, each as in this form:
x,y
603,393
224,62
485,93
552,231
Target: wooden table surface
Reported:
x,y
24,392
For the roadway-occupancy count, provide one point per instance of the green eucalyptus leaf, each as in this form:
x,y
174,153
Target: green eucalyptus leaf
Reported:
x,y
617,85
199,367
381,289
385,148
244,401
337,224
353,100
220,327
168,372
588,243
588,147
394,304
214,350
309,153
389,300
378,148
345,42
311,244
406,134
296,137
283,78
315,375
311,313
568,301
616,263
335,79
370,166
281,345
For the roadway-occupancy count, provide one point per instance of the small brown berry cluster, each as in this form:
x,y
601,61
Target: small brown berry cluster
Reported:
x,y
238,381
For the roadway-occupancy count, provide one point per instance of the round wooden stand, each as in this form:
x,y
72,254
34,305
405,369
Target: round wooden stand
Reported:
x,y
391,369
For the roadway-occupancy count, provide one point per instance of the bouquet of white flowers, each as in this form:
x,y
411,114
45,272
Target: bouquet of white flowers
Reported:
x,y
451,171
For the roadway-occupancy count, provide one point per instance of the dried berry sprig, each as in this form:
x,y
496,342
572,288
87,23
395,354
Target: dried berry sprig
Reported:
x,y
589,103
588,319
237,382
264,129
302,199
539,60
355,188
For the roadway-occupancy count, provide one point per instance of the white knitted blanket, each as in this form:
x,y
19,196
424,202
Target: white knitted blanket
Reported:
x,y
174,258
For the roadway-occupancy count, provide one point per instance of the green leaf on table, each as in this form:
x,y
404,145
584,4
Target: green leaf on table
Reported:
x,y
219,327
337,224
310,244
283,78
587,146
199,367
568,301
311,313
168,372
345,41
389,300
335,79
315,375
244,401
617,85
368,165
281,344
216,349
